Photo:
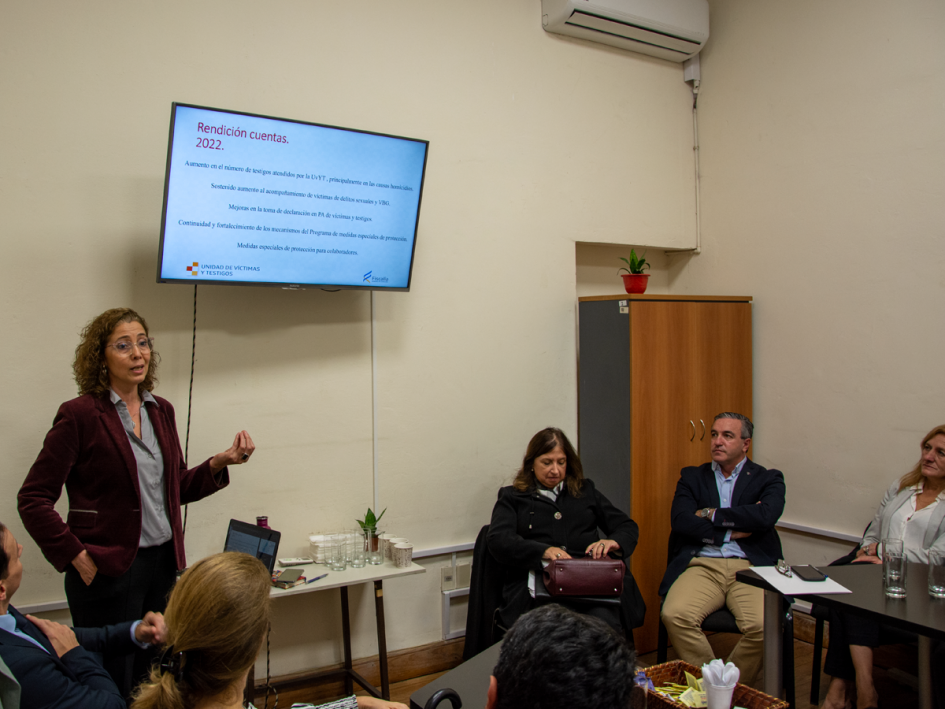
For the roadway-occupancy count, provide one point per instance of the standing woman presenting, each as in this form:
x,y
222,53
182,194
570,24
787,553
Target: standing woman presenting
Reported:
x,y
115,449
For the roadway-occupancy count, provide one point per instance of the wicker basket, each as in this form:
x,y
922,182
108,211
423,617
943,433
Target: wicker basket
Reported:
x,y
743,696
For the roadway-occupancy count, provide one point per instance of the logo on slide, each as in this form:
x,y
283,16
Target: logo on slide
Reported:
x,y
367,276
194,270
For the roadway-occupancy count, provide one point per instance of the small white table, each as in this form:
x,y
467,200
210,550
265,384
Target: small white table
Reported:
x,y
341,580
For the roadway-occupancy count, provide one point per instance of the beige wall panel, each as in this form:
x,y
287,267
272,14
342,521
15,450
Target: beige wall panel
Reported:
x,y
822,182
536,142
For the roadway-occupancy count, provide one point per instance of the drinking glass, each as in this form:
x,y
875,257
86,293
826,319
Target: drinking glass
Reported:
x,y
375,555
356,549
894,568
337,548
937,574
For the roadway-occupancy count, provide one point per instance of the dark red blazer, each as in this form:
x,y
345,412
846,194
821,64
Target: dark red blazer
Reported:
x,y
87,450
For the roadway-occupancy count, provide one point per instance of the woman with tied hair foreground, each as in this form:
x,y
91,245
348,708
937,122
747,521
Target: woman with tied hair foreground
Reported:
x,y
116,451
217,619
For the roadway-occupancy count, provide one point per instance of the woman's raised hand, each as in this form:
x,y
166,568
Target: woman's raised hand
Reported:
x,y
237,454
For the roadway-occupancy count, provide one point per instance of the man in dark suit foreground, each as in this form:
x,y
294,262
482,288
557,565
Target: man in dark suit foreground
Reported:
x,y
723,519
54,664
554,658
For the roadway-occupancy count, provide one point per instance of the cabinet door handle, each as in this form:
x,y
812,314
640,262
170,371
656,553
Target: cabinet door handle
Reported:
x,y
703,430
693,431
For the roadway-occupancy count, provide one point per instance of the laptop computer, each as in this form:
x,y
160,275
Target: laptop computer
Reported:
x,y
256,541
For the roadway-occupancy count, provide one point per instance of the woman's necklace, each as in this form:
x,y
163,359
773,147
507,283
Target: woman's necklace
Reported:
x,y
133,424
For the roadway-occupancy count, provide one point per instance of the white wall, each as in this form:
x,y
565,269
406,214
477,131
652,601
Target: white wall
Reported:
x,y
822,191
822,183
536,142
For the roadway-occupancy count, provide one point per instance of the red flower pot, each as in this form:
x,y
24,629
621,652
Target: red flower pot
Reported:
x,y
635,282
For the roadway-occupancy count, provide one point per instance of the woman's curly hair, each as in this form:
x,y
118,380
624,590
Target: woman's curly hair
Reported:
x,y
89,368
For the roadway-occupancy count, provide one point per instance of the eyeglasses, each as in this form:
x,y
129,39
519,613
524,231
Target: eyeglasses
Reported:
x,y
123,347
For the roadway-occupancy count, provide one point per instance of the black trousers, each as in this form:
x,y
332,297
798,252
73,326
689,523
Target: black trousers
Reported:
x,y
108,600
847,629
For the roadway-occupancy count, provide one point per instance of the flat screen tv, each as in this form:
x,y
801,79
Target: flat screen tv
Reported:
x,y
262,201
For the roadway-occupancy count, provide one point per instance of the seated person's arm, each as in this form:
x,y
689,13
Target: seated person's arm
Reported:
x,y
45,685
117,639
869,545
686,522
759,516
618,527
504,541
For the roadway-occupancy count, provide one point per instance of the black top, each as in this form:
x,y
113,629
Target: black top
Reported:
x,y
525,524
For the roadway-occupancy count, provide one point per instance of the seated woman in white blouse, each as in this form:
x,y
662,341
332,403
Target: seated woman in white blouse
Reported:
x,y
913,510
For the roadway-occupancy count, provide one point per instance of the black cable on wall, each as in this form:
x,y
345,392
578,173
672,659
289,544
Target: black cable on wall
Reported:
x,y
190,398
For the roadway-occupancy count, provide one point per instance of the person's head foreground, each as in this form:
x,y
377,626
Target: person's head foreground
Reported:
x,y
553,658
216,618
11,568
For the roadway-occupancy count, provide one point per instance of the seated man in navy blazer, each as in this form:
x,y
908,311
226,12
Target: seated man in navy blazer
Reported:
x,y
55,665
723,519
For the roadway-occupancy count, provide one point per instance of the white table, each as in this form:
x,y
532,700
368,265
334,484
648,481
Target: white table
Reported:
x,y
341,580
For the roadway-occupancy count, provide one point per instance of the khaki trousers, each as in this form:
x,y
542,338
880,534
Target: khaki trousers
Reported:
x,y
704,587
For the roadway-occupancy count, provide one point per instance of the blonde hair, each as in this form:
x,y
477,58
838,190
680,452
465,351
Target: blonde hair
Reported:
x,y
915,476
217,618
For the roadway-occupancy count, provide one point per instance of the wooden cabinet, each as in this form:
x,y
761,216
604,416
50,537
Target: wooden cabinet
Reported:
x,y
653,373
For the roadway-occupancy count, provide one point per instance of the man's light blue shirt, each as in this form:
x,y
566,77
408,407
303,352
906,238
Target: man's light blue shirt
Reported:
x,y
726,487
8,623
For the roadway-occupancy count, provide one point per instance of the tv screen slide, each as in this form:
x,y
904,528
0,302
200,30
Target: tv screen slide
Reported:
x,y
255,200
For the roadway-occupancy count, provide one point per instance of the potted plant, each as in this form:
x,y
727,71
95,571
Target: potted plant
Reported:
x,y
369,524
635,280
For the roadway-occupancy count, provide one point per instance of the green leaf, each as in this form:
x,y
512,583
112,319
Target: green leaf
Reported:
x,y
370,521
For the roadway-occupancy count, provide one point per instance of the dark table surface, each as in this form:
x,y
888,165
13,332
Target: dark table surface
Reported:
x,y
470,680
918,612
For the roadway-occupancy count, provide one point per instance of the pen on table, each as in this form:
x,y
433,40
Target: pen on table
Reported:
x,y
315,579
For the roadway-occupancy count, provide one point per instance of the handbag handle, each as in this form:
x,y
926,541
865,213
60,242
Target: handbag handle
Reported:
x,y
441,694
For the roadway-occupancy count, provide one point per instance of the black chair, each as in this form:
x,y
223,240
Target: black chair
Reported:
x,y
485,596
484,627
722,621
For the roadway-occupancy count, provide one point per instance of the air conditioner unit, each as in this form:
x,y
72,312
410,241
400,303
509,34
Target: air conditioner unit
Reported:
x,y
669,29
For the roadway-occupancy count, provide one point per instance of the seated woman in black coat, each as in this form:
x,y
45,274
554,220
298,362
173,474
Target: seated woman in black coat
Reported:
x,y
550,512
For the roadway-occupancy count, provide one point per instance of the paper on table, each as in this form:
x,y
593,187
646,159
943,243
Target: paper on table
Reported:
x,y
795,586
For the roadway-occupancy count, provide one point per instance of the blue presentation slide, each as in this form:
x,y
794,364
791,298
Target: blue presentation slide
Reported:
x,y
254,199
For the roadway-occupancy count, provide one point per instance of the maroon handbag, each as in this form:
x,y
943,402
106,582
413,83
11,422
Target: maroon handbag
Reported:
x,y
584,577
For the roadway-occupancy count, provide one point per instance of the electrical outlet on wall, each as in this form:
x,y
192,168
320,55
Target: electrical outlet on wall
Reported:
x,y
447,578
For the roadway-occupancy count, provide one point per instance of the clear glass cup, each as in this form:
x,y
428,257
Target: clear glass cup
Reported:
x,y
894,568
337,552
372,546
937,574
357,552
